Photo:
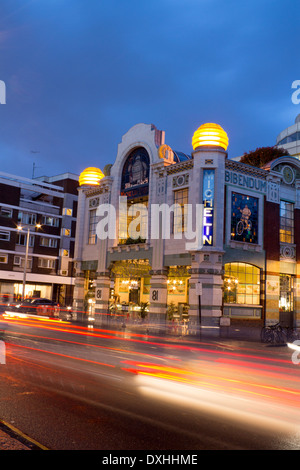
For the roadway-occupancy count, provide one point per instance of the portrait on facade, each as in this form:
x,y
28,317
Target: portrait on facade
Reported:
x,y
244,218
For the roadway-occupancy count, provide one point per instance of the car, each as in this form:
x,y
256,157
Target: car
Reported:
x,y
36,306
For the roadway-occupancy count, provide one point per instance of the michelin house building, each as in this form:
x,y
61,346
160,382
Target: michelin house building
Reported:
x,y
193,239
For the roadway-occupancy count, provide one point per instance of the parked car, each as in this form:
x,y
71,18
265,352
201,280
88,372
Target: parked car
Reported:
x,y
38,306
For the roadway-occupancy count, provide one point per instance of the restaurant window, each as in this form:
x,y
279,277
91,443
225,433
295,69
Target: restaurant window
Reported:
x,y
241,284
286,222
180,200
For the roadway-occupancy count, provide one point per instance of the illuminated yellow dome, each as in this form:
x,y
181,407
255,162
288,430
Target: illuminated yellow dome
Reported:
x,y
90,176
210,135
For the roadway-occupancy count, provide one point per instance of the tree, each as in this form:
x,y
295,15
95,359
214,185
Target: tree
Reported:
x,y
262,155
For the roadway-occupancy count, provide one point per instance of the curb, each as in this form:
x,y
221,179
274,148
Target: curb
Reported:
x,y
13,436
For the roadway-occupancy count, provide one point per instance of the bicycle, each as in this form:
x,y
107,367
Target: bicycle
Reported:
x,y
272,334
243,225
290,334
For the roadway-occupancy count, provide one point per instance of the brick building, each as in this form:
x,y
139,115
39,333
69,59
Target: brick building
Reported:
x,y
42,211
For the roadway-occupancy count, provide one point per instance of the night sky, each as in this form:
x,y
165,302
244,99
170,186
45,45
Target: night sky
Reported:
x,y
80,73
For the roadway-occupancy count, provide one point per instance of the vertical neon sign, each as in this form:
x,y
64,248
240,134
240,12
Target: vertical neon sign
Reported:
x,y
208,210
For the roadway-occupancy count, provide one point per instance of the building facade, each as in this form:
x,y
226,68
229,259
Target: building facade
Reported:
x,y
194,238
37,230
289,139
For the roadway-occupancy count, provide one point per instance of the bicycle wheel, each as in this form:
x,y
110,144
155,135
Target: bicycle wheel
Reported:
x,y
240,227
291,335
278,336
267,335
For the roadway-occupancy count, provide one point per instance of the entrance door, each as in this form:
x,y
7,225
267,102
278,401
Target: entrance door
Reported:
x,y
286,300
134,295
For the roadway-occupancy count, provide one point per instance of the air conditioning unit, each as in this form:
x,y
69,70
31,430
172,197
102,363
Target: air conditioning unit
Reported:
x,y
63,272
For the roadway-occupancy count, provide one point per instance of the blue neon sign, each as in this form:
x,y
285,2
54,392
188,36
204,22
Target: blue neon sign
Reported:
x,y
208,203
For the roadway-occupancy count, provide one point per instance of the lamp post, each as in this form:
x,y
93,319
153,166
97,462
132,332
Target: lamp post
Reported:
x,y
26,257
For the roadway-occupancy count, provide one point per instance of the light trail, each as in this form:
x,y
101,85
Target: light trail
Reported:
x,y
64,355
142,339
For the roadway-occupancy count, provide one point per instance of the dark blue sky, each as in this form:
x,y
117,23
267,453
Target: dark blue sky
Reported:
x,y
80,73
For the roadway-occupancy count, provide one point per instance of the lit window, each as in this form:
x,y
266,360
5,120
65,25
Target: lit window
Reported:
x,y
3,258
286,222
67,211
241,284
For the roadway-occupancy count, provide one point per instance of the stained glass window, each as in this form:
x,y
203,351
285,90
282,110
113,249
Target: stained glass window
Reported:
x,y
244,218
135,175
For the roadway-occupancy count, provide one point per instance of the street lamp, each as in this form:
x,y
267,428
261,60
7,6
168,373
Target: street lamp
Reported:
x,y
26,256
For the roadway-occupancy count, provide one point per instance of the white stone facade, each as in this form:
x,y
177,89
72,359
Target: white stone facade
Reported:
x,y
168,274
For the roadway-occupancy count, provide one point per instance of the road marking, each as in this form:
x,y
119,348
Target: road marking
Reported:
x,y
19,433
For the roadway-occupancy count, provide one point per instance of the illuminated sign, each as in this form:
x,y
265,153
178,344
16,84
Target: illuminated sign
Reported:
x,y
208,202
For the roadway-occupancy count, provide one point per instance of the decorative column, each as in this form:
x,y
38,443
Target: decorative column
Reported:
x,y
158,297
102,290
78,296
206,281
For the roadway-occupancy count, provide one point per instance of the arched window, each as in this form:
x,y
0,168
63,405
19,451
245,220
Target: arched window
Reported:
x,y
135,175
241,284
135,186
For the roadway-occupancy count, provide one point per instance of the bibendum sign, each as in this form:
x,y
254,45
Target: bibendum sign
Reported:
x,y
245,181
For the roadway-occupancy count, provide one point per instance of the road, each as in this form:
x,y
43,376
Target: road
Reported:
x,y
72,387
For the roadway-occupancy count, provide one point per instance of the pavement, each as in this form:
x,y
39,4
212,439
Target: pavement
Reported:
x,y
13,439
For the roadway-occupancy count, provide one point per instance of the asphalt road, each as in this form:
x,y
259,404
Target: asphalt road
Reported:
x,y
75,388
